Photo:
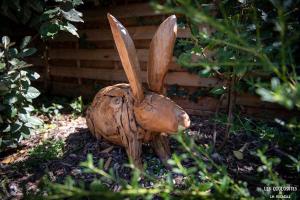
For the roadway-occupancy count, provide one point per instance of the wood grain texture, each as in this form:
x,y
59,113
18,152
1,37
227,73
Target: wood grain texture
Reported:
x,y
160,53
128,56
127,114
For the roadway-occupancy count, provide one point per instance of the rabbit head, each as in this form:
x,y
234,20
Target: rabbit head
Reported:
x,y
153,111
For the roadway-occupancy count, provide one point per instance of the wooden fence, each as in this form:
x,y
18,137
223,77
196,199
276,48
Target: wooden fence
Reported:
x,y
82,66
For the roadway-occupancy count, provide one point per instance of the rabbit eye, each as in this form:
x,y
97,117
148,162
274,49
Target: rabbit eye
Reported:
x,y
117,100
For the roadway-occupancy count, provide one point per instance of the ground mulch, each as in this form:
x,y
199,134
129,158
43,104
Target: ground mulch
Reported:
x,y
20,173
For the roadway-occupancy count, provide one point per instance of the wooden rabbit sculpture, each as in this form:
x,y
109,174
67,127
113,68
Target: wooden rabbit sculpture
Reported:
x,y
129,115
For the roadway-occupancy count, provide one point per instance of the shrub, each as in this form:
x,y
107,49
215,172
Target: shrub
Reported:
x,y
16,93
47,18
247,42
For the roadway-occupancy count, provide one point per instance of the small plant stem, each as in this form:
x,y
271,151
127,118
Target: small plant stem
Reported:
x,y
230,106
215,123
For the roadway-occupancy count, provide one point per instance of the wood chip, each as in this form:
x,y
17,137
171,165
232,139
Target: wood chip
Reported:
x,y
9,159
107,150
107,163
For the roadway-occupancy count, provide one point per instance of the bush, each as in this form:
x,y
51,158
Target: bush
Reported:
x,y
249,42
47,18
16,93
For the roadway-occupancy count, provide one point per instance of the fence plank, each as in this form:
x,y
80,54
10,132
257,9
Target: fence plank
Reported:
x,y
92,54
131,10
180,78
137,33
95,54
205,106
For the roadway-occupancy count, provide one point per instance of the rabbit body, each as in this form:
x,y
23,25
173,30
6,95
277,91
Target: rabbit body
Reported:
x,y
127,114
111,116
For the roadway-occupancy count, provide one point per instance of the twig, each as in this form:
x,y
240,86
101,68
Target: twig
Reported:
x,y
231,103
215,123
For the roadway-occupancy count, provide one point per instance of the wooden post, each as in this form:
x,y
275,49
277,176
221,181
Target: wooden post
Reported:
x,y
78,65
47,68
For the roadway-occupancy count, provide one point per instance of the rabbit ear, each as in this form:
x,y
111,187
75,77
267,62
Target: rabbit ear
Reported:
x,y
127,52
160,54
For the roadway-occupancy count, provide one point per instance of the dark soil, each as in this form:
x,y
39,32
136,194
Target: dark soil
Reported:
x,y
21,173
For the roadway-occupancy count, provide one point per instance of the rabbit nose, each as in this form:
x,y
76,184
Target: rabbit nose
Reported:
x,y
184,121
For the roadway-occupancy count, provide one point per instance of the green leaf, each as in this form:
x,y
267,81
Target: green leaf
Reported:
x,y
50,14
77,2
49,30
71,29
238,154
275,83
7,129
217,90
31,93
13,52
5,41
13,111
23,117
240,70
266,95
29,108
26,40
16,126
73,15
10,99
205,186
3,89
33,75
2,65
18,64
27,52
35,121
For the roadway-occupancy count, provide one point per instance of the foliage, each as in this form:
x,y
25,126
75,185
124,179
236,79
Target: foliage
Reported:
x,y
48,150
253,46
47,17
16,93
77,106
251,42
202,178
51,111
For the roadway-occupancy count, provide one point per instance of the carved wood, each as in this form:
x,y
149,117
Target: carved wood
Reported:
x,y
128,56
161,52
127,114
